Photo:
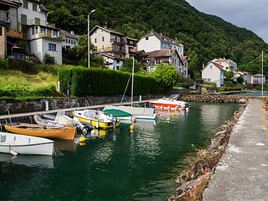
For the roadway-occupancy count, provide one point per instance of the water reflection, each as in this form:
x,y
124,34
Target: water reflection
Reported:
x,y
29,161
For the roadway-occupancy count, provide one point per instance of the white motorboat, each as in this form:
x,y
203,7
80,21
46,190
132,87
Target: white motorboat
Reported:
x,y
128,113
171,103
21,144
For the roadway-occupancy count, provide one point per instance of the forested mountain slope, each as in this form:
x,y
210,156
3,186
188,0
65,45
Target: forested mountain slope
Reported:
x,y
204,36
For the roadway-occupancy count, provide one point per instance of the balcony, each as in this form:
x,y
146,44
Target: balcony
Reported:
x,y
15,34
4,21
49,35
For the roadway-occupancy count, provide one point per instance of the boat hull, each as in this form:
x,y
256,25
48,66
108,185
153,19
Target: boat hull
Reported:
x,y
20,144
169,105
66,133
96,123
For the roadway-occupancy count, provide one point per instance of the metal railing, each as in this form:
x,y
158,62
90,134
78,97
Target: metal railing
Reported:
x,y
4,19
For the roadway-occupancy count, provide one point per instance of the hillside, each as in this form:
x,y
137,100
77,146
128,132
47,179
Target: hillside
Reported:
x,y
204,36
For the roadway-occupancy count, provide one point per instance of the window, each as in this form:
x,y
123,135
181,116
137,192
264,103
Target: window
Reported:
x,y
66,40
42,29
37,21
55,34
25,4
24,19
75,42
36,29
147,38
34,7
1,31
52,47
95,40
32,30
102,38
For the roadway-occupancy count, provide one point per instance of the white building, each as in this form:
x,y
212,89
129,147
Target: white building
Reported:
x,y
27,26
112,62
258,79
213,73
70,40
228,64
32,12
153,41
45,40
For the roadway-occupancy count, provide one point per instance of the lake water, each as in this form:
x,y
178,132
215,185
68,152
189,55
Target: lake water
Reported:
x,y
120,166
254,93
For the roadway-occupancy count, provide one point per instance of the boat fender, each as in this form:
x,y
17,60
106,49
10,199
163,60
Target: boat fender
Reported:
x,y
132,128
133,119
97,124
82,139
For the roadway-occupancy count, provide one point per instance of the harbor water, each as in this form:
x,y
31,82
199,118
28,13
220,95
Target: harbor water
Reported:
x,y
121,165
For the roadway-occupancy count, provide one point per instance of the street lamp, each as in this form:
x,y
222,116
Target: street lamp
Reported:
x,y
88,38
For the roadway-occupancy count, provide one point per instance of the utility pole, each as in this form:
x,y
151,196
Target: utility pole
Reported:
x,y
88,38
262,73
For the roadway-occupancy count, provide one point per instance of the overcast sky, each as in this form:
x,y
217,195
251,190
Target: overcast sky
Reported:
x,y
250,14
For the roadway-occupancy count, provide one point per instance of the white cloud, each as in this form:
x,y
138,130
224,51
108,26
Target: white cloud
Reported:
x,y
250,14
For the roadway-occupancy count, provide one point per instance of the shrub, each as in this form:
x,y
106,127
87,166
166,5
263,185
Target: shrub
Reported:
x,y
81,81
235,88
25,67
4,64
23,91
166,74
49,59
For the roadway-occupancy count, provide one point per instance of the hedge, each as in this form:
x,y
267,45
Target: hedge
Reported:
x,y
24,91
80,81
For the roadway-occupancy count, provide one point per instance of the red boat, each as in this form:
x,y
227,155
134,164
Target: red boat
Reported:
x,y
171,103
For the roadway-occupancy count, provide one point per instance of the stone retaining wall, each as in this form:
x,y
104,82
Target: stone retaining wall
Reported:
x,y
15,107
215,98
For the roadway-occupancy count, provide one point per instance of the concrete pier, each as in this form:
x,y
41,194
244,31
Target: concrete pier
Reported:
x,y
242,173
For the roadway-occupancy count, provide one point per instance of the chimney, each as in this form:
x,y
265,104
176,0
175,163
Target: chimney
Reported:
x,y
72,32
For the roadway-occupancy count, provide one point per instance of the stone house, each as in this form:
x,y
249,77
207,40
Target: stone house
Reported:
x,y
168,56
154,43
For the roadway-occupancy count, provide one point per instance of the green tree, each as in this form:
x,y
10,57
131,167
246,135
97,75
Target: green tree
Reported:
x,y
128,63
228,75
166,74
240,80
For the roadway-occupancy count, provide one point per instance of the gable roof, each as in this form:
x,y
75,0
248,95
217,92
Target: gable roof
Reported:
x,y
218,66
105,29
69,35
162,53
11,3
161,37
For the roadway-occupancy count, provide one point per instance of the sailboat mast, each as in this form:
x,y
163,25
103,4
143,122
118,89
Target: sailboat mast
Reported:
x,y
262,73
132,83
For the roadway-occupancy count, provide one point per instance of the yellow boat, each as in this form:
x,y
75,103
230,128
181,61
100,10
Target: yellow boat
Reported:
x,y
65,133
96,118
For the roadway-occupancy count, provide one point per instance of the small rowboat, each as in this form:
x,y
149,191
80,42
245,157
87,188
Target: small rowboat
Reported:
x,y
65,133
96,118
20,144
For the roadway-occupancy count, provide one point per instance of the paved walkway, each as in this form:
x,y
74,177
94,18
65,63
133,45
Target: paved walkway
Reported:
x,y
242,174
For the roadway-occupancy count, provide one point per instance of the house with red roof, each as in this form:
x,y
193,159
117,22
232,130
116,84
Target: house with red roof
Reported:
x,y
213,73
